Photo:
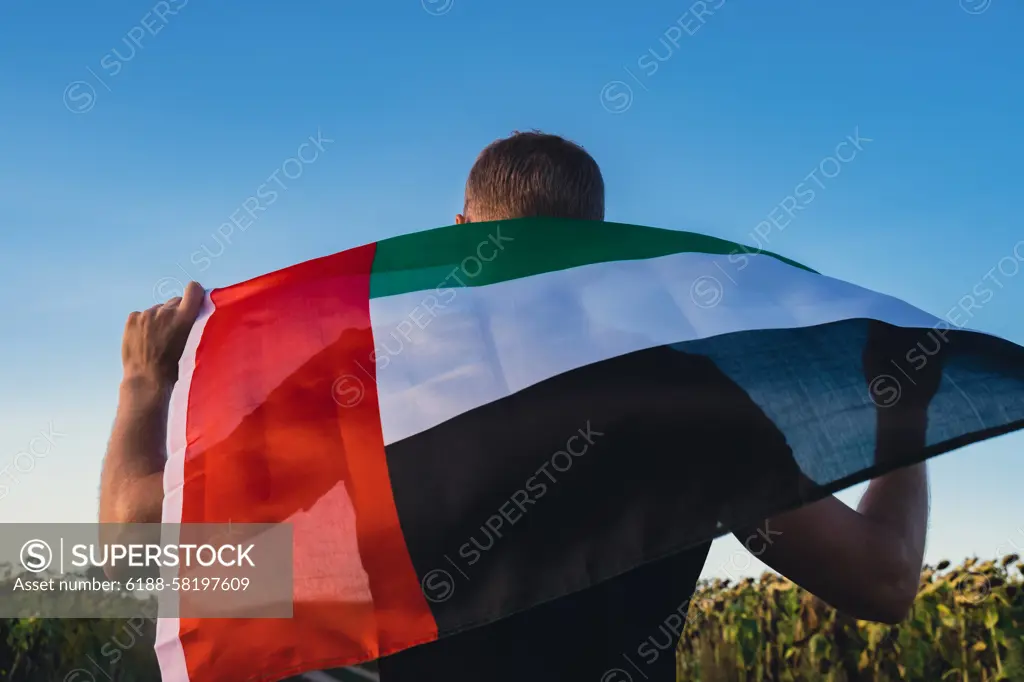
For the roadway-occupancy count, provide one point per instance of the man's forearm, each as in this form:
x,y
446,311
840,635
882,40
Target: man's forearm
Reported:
x,y
898,501
131,487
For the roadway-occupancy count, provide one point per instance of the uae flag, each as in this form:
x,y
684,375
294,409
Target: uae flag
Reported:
x,y
463,423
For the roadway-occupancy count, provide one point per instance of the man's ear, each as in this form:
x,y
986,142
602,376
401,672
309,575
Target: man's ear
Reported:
x,y
460,219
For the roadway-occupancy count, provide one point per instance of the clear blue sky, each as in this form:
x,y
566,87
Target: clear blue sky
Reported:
x,y
111,185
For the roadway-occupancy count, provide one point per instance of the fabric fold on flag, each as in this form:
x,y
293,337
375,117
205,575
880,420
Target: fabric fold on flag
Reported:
x,y
464,423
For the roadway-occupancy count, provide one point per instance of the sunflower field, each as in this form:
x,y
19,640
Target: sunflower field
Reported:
x,y
966,625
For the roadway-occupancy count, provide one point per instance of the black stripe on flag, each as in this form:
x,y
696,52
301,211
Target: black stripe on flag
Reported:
x,y
599,470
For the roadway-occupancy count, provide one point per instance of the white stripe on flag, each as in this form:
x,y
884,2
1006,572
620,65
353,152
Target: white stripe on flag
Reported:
x,y
438,359
169,652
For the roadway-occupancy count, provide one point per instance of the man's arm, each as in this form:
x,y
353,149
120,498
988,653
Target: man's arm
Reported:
x,y
864,562
131,485
867,562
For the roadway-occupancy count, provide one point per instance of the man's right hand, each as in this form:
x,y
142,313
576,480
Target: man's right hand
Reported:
x,y
155,338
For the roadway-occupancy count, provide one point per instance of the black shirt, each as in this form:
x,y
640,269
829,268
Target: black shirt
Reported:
x,y
629,624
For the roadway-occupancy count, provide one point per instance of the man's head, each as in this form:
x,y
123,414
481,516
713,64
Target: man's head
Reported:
x,y
533,174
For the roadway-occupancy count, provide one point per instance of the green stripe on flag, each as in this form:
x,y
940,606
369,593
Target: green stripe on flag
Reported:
x,y
477,254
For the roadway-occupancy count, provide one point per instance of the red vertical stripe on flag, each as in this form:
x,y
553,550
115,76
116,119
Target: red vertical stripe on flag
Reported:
x,y
283,426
